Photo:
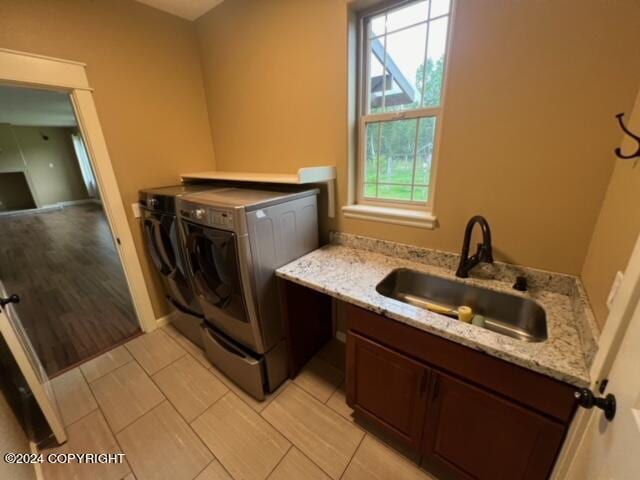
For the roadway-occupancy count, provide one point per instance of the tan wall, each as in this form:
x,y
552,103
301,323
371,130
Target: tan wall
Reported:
x,y
618,225
144,68
52,164
10,159
528,126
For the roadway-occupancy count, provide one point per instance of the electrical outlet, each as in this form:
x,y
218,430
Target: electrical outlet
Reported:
x,y
617,281
136,210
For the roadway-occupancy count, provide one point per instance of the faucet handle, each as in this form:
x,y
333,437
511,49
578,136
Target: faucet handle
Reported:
x,y
521,284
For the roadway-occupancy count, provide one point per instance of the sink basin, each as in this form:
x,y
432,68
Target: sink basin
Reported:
x,y
506,314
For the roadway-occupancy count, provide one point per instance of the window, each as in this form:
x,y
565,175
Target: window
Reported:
x,y
401,78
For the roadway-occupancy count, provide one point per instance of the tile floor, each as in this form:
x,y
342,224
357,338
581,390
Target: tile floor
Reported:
x,y
159,401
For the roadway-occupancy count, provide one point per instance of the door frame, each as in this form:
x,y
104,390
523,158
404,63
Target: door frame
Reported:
x,y
32,70
623,308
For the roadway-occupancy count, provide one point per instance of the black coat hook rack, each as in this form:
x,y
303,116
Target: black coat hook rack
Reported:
x,y
618,151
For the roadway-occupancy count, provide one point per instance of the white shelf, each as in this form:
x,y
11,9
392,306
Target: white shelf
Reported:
x,y
305,175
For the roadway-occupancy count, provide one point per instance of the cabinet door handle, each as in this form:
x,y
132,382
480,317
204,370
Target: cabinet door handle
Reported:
x,y
423,384
435,388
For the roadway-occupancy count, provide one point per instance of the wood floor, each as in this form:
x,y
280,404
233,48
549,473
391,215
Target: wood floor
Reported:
x,y
75,302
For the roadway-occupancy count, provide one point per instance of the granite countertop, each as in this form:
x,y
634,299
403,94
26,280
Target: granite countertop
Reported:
x,y
350,267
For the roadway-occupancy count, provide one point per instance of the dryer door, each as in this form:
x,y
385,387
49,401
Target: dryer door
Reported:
x,y
163,242
216,271
155,244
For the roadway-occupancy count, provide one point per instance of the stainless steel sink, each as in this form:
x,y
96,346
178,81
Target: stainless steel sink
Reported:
x,y
506,314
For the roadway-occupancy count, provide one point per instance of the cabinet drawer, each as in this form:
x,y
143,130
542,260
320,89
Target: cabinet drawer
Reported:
x,y
473,434
387,388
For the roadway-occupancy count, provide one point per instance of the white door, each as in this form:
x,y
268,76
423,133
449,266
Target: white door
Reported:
x,y
31,368
611,450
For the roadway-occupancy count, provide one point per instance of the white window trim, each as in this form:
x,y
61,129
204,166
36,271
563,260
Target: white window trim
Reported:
x,y
390,211
399,216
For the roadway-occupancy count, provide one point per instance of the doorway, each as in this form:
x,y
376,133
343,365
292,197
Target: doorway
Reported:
x,y
57,250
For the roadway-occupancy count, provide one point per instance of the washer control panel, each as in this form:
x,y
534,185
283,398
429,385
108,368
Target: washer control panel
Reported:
x,y
220,219
210,216
198,213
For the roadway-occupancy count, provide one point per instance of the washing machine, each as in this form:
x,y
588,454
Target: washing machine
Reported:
x,y
235,239
164,243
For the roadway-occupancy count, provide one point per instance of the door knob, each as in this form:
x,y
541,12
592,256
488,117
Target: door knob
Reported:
x,y
10,299
586,399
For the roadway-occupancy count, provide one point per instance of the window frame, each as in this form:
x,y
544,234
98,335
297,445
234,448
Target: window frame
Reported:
x,y
364,118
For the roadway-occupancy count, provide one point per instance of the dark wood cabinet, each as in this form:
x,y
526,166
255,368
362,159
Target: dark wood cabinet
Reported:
x,y
478,435
387,388
306,316
469,415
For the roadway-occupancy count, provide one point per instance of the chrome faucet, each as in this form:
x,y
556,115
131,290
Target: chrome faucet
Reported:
x,y
484,252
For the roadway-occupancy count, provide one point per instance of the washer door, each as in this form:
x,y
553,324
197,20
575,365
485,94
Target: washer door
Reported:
x,y
213,264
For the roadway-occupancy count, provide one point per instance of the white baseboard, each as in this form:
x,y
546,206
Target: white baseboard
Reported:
x,y
70,203
53,206
341,337
162,321
31,210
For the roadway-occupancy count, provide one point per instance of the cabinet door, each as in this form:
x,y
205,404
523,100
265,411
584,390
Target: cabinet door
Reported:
x,y
471,433
387,388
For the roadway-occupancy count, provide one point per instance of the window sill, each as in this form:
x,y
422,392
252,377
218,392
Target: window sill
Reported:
x,y
397,216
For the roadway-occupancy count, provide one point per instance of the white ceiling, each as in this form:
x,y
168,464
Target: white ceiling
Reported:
x,y
32,107
189,9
